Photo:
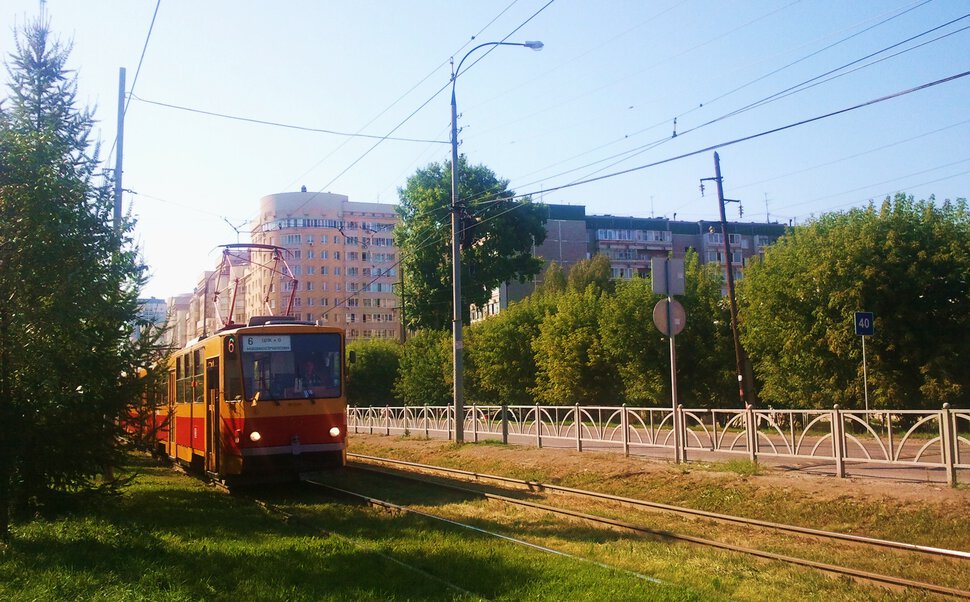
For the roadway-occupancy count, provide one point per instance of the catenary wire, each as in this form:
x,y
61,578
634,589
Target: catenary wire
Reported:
x,y
404,95
280,124
625,155
745,138
134,81
412,114
709,102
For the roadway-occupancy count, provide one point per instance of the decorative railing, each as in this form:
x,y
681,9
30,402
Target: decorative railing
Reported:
x,y
905,438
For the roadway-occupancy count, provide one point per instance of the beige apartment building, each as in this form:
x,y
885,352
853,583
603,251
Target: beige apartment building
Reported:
x,y
341,257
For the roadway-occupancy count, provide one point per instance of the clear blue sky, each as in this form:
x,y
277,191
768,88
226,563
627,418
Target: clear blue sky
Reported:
x,y
611,79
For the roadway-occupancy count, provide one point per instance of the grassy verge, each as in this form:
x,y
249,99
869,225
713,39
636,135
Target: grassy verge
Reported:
x,y
915,513
171,537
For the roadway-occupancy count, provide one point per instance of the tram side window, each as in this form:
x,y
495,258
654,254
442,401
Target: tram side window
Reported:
x,y
198,389
180,379
234,390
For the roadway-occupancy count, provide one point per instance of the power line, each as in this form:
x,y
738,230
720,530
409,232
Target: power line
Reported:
x,y
626,155
771,98
402,96
854,156
909,175
141,58
280,124
750,136
415,112
429,240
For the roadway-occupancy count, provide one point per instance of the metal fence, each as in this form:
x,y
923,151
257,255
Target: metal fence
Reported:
x,y
900,438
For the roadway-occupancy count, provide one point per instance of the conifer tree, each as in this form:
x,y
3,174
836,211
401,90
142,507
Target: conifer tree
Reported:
x,y
69,283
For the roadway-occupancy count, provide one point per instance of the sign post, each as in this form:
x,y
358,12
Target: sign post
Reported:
x,y
669,318
865,326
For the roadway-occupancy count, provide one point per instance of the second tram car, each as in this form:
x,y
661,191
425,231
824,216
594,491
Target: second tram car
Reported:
x,y
259,402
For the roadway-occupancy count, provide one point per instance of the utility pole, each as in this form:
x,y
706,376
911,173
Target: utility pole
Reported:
x,y
456,209
121,147
729,269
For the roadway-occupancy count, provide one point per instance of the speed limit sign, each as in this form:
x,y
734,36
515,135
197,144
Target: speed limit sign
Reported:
x,y
865,323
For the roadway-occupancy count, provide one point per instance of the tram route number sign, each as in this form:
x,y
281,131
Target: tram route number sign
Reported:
x,y
865,323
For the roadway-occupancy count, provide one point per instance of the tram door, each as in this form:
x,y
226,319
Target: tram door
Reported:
x,y
212,414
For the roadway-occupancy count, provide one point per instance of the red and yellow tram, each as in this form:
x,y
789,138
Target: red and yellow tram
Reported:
x,y
259,402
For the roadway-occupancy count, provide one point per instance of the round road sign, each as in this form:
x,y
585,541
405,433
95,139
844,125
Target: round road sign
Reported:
x,y
678,319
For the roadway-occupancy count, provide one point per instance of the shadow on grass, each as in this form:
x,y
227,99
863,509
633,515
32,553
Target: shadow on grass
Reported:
x,y
173,538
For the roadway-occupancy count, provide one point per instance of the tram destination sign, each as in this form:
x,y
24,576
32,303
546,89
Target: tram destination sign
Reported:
x,y
252,343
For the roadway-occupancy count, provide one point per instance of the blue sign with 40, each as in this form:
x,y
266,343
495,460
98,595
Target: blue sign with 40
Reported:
x,y
865,323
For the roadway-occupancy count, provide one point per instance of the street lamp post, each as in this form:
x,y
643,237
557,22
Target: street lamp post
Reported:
x,y
455,246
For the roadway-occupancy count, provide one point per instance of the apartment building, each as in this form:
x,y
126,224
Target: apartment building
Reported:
x,y
339,266
630,243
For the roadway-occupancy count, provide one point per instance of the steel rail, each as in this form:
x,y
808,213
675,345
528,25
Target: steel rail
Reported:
x,y
399,508
821,566
289,517
884,543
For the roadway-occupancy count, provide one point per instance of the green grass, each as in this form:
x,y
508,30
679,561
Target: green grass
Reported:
x,y
740,488
171,537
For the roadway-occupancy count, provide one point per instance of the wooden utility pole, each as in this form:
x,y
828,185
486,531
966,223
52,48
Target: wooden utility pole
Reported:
x,y
729,277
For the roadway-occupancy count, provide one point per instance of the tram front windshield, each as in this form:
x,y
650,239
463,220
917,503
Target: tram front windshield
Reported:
x,y
291,366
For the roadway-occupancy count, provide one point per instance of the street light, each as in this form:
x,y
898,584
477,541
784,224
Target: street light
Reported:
x,y
455,247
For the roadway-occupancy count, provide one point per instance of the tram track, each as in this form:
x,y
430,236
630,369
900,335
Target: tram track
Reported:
x,y
289,517
371,463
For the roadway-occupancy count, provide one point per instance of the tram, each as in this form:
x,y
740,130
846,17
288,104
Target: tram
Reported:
x,y
257,402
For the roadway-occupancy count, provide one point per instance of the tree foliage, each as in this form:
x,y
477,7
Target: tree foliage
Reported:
x,y
595,272
497,233
641,354
572,364
908,262
69,285
501,366
425,375
371,376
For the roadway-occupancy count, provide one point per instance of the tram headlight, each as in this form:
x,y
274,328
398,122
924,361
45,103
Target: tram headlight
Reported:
x,y
255,436
335,431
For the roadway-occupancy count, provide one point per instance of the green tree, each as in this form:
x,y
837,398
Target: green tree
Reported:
x,y
641,354
572,365
68,290
497,233
372,375
553,280
906,261
501,366
705,350
425,374
595,272
637,350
